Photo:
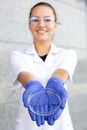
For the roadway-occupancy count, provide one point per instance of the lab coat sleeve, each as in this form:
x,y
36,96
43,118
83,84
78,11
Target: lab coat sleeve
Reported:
x,y
18,65
69,63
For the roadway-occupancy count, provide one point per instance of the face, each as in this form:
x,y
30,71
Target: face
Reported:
x,y
42,24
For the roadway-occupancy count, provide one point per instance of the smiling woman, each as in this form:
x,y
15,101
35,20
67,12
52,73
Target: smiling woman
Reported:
x,y
41,68
42,24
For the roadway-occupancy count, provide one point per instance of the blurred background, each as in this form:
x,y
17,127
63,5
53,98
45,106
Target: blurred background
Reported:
x,y
14,35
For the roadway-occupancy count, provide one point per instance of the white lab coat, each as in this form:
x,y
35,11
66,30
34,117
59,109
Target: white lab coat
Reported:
x,y
29,61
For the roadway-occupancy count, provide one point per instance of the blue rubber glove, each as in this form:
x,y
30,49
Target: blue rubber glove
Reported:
x,y
57,86
38,103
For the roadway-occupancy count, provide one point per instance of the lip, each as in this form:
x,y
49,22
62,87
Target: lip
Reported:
x,y
41,31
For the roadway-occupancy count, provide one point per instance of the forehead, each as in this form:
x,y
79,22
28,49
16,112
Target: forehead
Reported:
x,y
42,11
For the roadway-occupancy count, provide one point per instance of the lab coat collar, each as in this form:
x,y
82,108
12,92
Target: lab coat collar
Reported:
x,y
54,49
31,51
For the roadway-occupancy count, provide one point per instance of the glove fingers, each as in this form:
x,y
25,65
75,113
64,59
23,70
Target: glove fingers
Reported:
x,y
54,117
57,114
39,119
50,117
32,115
46,111
42,117
51,120
63,102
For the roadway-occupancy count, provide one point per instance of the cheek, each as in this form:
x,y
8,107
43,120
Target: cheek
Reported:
x,y
31,28
52,27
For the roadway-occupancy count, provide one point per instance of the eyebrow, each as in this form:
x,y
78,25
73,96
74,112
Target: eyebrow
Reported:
x,y
39,17
34,17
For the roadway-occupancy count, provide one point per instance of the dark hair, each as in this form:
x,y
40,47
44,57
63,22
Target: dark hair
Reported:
x,y
43,4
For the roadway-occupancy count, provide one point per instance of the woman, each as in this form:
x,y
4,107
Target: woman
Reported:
x,y
43,66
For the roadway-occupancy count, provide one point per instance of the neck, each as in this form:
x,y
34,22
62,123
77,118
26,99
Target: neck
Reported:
x,y
42,48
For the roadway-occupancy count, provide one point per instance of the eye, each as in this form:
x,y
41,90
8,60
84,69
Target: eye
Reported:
x,y
34,19
47,19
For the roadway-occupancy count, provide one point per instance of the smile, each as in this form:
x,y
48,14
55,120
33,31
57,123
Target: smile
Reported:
x,y
41,31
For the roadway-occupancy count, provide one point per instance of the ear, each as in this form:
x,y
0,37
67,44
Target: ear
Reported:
x,y
56,25
29,27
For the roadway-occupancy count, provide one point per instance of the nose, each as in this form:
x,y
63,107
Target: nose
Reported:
x,y
41,23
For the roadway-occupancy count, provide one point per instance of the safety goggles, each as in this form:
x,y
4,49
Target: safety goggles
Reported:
x,y
36,19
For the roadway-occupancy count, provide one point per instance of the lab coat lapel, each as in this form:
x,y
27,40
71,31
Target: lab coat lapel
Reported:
x,y
53,51
31,51
36,58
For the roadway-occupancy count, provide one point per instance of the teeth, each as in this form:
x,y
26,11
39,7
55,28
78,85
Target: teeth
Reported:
x,y
41,31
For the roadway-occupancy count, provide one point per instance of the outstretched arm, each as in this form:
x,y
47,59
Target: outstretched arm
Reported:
x,y
24,77
62,74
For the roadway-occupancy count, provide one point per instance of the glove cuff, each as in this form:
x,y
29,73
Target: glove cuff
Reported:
x,y
55,79
33,86
33,82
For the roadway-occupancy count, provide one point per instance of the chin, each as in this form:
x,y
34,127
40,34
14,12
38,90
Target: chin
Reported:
x,y
43,40
40,39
